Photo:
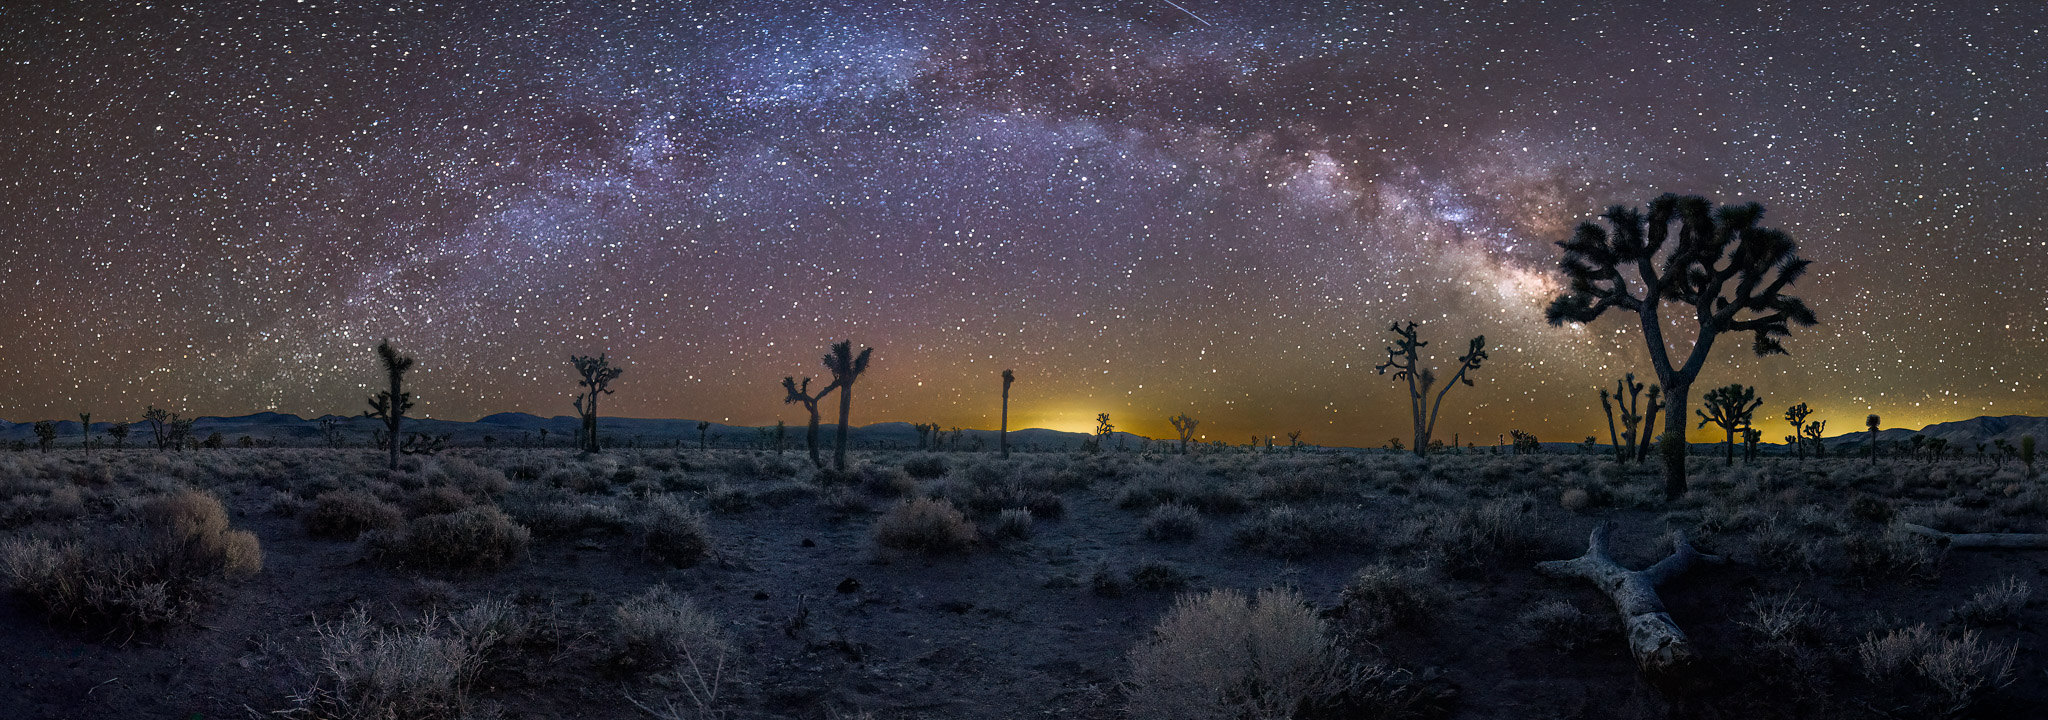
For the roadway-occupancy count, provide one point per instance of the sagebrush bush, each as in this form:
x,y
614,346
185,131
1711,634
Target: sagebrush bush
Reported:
x,y
925,525
345,514
1996,603
1291,532
1171,522
420,670
660,628
1561,626
1475,536
1014,524
130,580
1221,655
1159,575
673,533
925,467
1381,597
1933,674
476,538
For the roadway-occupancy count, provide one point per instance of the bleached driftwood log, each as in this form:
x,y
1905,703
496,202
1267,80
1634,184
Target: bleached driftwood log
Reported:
x,y
1982,541
1655,640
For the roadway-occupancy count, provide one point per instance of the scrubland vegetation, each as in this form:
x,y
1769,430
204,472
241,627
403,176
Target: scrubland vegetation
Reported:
x,y
1240,584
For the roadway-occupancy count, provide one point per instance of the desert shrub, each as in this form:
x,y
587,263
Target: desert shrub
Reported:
x,y
728,499
661,629
1935,675
1296,486
673,534
1561,626
925,467
472,479
989,499
1171,522
1475,536
415,670
1211,497
1014,523
129,580
1891,553
1107,581
1291,532
925,525
1780,548
576,478
1574,499
1382,597
476,538
1996,603
887,481
1158,575
1788,635
439,500
845,500
1871,508
782,494
1222,655
344,514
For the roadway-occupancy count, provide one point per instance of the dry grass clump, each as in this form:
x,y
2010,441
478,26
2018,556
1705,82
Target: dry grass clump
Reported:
x,y
1152,490
553,512
345,514
1939,676
1561,626
415,670
1171,522
128,580
476,538
925,467
1014,524
925,525
1221,655
436,500
1996,603
1475,536
674,534
660,629
1291,532
1789,636
1892,553
1159,575
887,481
1383,597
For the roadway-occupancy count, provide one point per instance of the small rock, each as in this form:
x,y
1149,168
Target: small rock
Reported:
x,y
808,543
849,586
760,594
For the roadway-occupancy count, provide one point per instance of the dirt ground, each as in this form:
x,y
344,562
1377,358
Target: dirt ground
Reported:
x,y
824,622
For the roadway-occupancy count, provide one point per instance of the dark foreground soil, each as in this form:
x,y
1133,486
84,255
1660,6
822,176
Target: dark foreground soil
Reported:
x,y
825,623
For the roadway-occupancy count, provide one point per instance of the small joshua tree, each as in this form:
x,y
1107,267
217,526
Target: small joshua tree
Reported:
x,y
1004,433
1607,406
1525,443
1750,437
1294,441
703,429
1730,407
1725,270
594,375
846,369
119,432
2027,453
85,433
1103,429
1186,427
1796,415
1813,432
1871,423
781,436
1404,360
802,394
390,405
159,421
46,435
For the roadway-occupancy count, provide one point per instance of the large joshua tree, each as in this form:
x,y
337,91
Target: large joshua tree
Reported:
x,y
846,368
1727,269
1404,359
390,405
594,375
1730,407
1186,427
1003,435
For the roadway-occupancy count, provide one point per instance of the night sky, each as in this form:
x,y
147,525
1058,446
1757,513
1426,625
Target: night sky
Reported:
x,y
220,207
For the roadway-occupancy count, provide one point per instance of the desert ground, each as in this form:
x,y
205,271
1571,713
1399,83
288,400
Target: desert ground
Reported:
x,y
522,583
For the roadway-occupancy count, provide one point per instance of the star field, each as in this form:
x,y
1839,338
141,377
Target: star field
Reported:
x,y
220,207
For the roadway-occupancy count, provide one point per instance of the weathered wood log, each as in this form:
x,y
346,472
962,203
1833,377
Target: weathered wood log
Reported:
x,y
1655,640
1981,541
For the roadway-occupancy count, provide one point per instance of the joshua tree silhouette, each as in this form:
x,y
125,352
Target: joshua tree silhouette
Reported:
x,y
1813,432
119,431
594,375
796,394
703,427
1871,423
1403,359
1714,247
1103,429
1004,433
390,405
1729,406
1186,427
846,369
1796,415
1607,406
1634,416
85,433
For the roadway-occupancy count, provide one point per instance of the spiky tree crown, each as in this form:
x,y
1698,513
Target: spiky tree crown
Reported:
x,y
844,365
1714,247
1729,406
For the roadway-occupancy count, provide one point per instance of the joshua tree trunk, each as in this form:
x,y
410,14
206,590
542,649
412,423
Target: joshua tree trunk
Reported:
x,y
1612,438
845,409
1003,435
811,436
1653,638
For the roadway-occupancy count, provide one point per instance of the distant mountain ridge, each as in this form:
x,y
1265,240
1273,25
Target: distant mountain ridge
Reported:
x,y
518,428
